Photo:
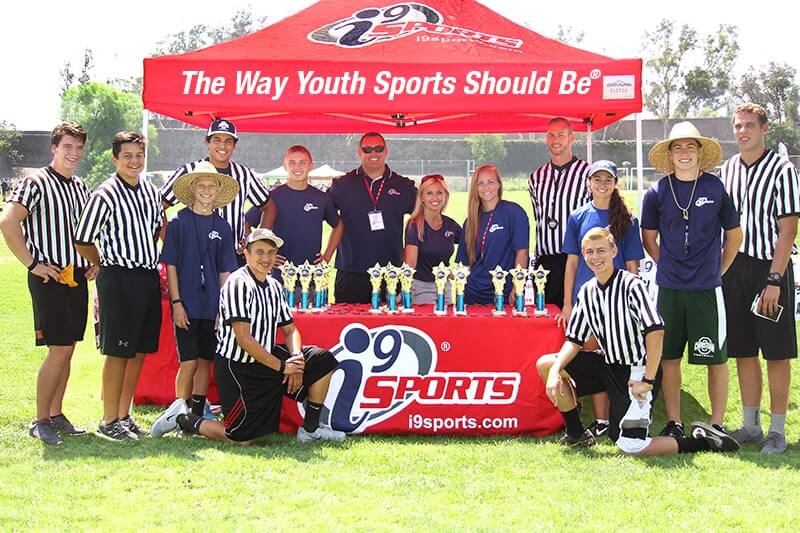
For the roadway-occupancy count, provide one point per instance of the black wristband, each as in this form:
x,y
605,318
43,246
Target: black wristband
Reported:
x,y
649,381
283,367
33,264
177,301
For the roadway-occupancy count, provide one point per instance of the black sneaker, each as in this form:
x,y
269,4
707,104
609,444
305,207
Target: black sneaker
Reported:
x,y
672,429
44,431
133,428
584,441
598,429
62,424
114,431
717,439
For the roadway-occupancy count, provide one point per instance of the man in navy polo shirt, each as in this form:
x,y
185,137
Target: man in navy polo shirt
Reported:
x,y
372,201
687,210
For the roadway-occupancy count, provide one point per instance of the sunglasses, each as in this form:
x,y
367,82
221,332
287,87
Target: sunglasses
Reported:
x,y
437,177
370,149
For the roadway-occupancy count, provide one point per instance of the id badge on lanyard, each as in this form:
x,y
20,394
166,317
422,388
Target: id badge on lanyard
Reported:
x,y
375,216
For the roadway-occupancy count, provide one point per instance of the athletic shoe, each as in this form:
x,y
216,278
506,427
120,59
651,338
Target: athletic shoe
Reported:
x,y
586,440
672,429
774,443
62,424
114,431
598,429
45,432
168,421
322,433
745,434
133,428
718,440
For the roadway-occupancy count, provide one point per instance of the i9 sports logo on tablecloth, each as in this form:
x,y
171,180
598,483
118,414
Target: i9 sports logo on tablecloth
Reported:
x,y
384,370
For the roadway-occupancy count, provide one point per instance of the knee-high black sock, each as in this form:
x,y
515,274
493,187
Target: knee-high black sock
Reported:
x,y
198,404
572,419
313,410
691,445
190,423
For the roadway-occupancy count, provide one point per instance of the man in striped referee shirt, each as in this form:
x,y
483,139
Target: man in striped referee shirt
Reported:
x,y
765,190
124,217
557,189
38,225
251,371
616,308
221,140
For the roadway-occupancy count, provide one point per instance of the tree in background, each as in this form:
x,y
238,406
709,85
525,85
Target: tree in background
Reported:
x,y
9,148
201,35
569,35
103,111
774,87
707,88
487,149
68,77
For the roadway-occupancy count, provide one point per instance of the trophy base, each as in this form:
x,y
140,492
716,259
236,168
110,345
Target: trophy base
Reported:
x,y
303,310
520,313
317,309
376,311
440,313
543,312
391,311
463,312
407,310
499,313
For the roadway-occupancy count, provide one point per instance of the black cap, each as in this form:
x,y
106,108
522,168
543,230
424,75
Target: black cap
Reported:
x,y
221,125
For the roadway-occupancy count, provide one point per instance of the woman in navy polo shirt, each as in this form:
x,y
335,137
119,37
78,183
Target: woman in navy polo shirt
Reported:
x,y
496,232
430,236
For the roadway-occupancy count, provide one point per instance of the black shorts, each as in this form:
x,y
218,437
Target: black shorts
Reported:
x,y
59,311
747,333
592,375
130,311
197,342
554,289
251,393
354,288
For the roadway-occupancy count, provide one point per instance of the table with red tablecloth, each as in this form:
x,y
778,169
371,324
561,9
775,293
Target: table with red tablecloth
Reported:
x,y
412,373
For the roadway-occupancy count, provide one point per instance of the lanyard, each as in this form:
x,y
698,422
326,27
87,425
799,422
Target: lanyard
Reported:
x,y
377,196
485,232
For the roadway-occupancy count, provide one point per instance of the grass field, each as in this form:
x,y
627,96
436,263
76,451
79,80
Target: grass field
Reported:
x,y
368,483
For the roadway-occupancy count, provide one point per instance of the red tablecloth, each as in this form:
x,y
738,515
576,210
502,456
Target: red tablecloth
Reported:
x,y
415,373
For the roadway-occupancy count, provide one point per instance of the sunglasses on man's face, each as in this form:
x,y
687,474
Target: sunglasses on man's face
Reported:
x,y
370,149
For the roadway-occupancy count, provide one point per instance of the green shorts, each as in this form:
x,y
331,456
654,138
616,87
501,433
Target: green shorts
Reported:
x,y
697,317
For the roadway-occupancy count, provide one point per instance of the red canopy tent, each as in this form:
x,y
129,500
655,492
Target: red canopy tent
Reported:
x,y
434,66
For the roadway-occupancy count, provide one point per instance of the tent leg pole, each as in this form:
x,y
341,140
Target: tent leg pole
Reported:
x,y
589,143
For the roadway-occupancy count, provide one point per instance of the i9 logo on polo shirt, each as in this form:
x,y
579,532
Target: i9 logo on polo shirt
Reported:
x,y
383,370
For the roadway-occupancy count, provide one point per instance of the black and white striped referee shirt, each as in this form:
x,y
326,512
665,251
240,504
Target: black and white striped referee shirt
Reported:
x,y
245,299
619,314
762,193
555,193
54,204
125,220
250,188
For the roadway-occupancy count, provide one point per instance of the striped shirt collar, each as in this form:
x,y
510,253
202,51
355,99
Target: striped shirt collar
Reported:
x,y
756,162
58,175
262,284
565,166
604,286
126,184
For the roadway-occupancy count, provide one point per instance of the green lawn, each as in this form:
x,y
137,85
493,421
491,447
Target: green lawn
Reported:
x,y
369,483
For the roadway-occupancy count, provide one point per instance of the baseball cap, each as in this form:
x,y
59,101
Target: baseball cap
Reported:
x,y
221,125
264,234
603,164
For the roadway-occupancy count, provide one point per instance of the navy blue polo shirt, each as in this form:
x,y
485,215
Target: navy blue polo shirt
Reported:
x,y
192,239
710,213
437,245
253,215
509,231
361,247
299,221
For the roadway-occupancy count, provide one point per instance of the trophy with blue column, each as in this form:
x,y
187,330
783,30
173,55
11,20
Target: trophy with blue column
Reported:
x,y
519,276
326,281
406,280
318,276
375,278
289,275
460,275
499,284
305,273
440,275
392,276
540,280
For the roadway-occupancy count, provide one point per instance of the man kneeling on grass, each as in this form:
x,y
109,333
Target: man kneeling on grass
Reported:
x,y
616,309
253,373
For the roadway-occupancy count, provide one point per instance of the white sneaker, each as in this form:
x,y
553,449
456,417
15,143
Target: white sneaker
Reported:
x,y
322,433
168,421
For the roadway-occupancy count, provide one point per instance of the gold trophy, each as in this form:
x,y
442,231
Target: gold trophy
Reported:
x,y
519,276
392,276
318,276
289,274
305,273
440,275
326,281
460,275
540,280
375,278
499,283
406,280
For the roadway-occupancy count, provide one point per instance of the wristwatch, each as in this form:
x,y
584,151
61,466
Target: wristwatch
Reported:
x,y
775,279
649,381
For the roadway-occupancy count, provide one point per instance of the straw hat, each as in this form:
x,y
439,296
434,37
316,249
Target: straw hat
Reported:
x,y
661,159
228,187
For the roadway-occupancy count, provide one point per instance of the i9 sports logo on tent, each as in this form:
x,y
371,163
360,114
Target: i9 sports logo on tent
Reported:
x,y
375,24
385,369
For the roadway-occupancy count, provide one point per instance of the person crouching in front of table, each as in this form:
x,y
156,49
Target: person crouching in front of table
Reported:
x,y
496,232
614,306
253,373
